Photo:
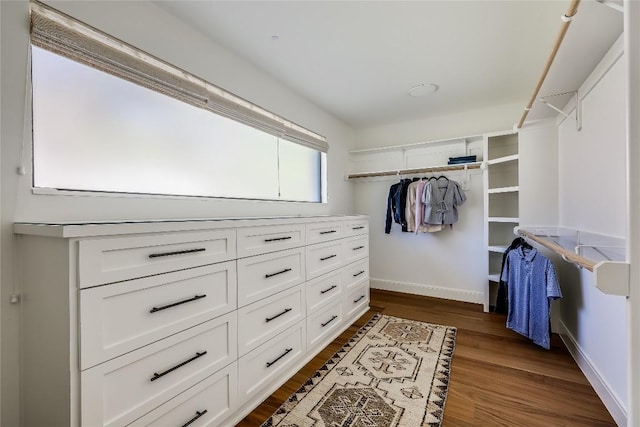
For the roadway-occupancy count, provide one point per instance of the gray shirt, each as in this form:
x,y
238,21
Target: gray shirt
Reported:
x,y
532,283
441,198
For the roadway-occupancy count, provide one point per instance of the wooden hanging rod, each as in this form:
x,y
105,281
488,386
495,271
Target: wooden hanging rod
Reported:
x,y
566,21
416,171
566,254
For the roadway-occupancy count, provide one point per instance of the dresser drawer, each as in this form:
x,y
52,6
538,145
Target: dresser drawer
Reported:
x,y
269,238
355,273
352,228
319,232
121,390
323,258
261,367
355,248
323,289
121,317
357,299
207,403
322,324
122,258
266,318
264,275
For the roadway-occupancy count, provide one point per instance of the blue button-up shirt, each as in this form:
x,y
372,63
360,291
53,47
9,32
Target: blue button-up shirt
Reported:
x,y
532,283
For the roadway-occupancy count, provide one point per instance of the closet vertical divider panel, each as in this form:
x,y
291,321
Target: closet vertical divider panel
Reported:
x,y
502,196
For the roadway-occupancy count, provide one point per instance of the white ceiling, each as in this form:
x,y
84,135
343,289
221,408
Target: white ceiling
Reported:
x,y
357,59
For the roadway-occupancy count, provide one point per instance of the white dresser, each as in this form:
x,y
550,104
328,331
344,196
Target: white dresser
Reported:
x,y
180,322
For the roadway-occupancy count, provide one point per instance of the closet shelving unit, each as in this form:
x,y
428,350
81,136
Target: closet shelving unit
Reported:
x,y
501,155
414,159
603,255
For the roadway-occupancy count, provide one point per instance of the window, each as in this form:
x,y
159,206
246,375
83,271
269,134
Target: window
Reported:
x,y
95,131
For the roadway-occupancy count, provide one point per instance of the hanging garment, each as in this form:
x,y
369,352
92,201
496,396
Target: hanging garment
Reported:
x,y
532,282
417,207
441,198
415,211
392,214
502,299
396,205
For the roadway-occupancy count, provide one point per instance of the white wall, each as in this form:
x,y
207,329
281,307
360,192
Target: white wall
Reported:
x,y
152,29
538,174
592,197
473,122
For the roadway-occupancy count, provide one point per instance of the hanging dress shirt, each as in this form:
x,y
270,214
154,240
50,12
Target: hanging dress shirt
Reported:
x,y
441,198
532,282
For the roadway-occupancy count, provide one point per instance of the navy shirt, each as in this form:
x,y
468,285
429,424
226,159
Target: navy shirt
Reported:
x,y
532,283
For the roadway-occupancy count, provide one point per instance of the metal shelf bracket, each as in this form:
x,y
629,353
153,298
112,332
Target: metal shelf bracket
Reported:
x,y
578,112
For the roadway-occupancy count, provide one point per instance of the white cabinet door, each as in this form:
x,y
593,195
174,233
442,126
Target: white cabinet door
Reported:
x,y
355,248
271,361
207,403
324,289
262,320
322,324
269,238
355,273
264,275
323,258
121,390
355,302
121,317
123,258
324,232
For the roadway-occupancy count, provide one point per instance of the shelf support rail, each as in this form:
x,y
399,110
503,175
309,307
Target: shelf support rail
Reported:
x,y
611,277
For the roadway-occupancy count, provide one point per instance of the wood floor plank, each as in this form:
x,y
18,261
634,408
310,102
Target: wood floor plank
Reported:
x,y
498,378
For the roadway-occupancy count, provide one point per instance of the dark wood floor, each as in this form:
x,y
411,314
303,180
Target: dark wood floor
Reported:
x,y
498,378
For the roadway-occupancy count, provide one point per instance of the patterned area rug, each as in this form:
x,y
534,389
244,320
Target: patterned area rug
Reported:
x,y
393,373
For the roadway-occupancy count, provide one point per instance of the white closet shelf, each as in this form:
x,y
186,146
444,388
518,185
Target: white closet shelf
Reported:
x,y
494,277
601,254
512,189
505,159
497,248
514,220
416,171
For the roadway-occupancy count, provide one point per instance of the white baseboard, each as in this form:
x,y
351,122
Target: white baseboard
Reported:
x,y
600,386
428,290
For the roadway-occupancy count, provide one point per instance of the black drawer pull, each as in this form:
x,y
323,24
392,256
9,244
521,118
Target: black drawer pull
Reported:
x,y
266,276
356,300
286,310
328,257
358,273
287,351
164,307
180,365
358,247
275,239
358,228
329,321
186,251
329,232
328,289
192,420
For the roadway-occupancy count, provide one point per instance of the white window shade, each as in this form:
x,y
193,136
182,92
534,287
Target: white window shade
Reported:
x,y
61,34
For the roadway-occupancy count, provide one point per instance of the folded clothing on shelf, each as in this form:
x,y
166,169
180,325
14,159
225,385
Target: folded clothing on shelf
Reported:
x,y
461,159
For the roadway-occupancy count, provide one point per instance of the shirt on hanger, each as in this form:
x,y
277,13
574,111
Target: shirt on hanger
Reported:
x,y
415,210
532,282
441,201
